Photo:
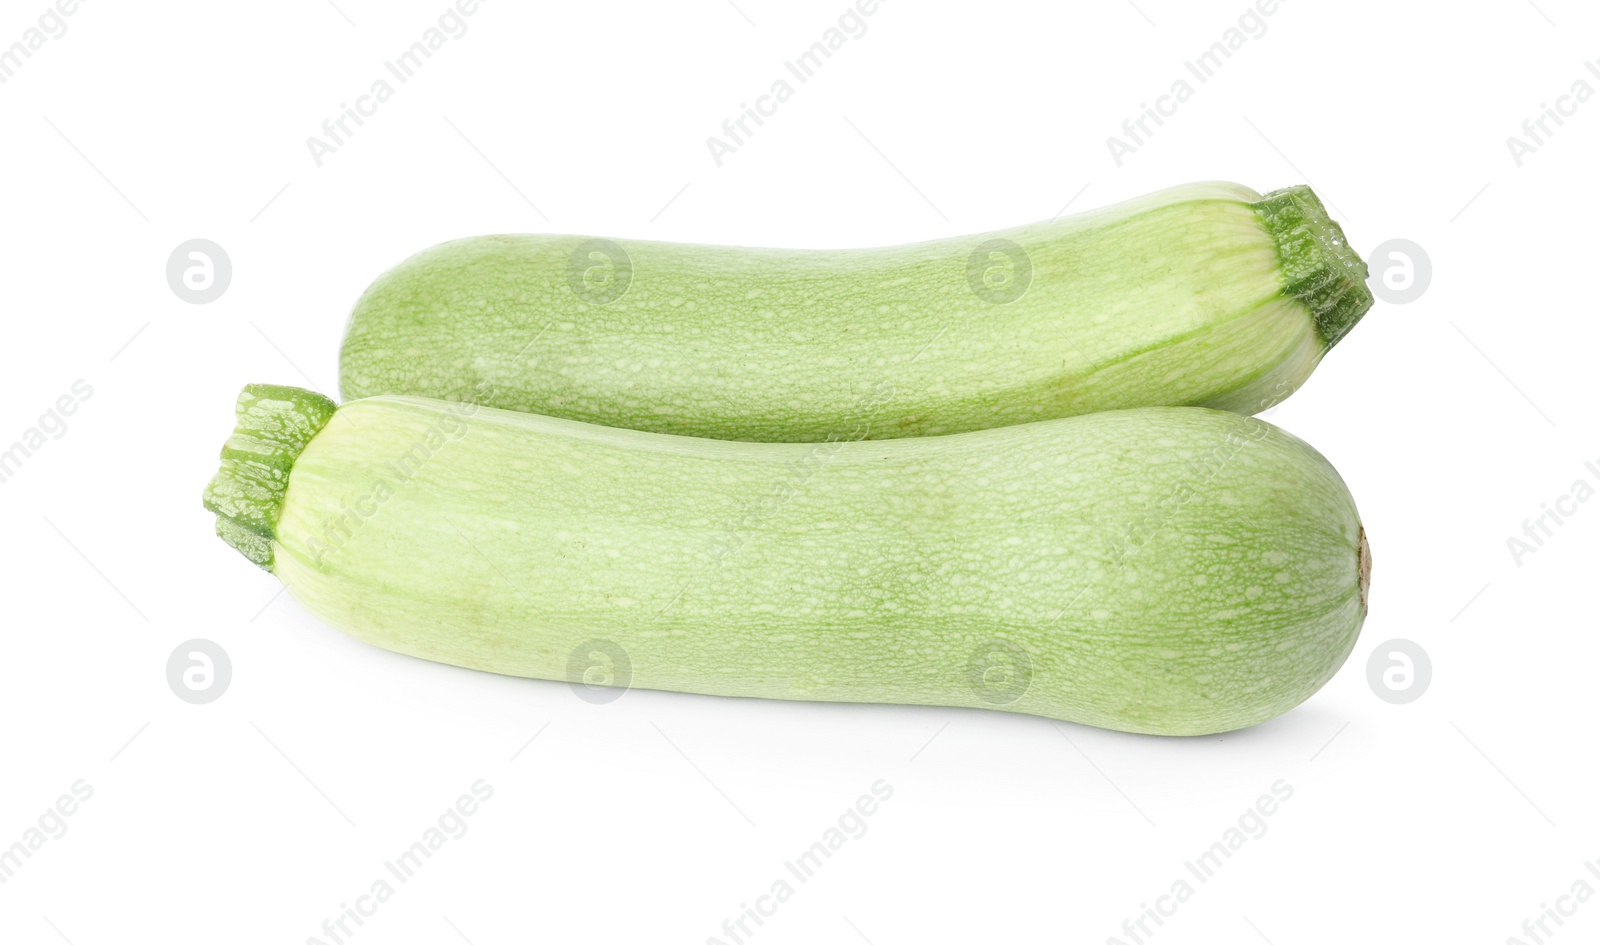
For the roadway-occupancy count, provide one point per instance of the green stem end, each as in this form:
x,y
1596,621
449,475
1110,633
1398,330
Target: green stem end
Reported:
x,y
1320,269
274,425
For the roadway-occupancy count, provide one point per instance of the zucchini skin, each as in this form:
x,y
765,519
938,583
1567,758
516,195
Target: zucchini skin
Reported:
x,y
1175,571
1208,295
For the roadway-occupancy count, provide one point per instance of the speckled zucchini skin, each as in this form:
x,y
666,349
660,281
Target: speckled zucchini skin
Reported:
x,y
1177,571
1208,294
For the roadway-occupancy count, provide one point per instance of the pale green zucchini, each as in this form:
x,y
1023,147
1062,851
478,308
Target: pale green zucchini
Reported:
x,y
1208,295
1169,570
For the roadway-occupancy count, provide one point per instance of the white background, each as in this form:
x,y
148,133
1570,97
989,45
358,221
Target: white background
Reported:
x,y
251,819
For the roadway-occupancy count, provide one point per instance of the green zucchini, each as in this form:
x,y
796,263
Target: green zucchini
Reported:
x,y
1177,571
1207,295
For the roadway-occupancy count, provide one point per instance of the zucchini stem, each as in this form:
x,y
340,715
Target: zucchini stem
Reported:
x,y
1319,267
274,425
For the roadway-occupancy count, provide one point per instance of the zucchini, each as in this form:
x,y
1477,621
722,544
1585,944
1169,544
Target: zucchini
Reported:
x,y
1208,295
1177,571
